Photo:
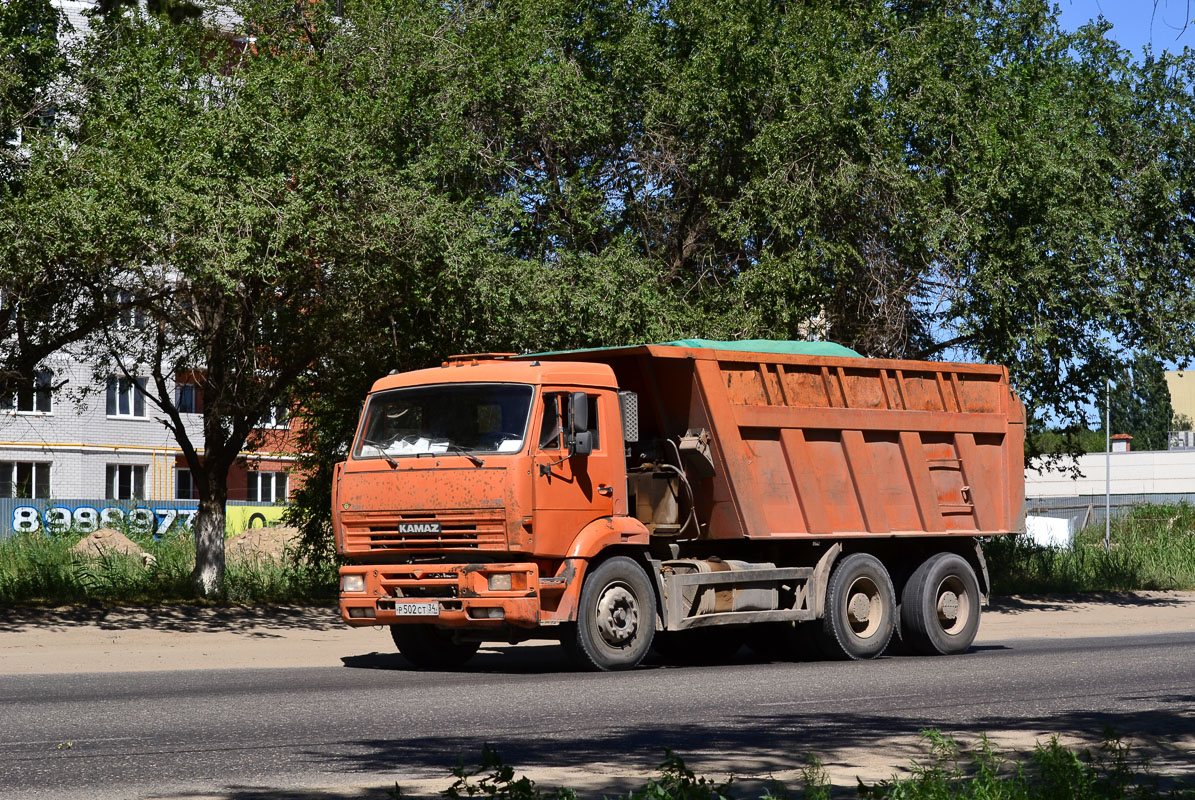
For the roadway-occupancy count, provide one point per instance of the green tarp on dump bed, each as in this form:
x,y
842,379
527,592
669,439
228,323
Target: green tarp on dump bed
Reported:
x,y
769,346
744,345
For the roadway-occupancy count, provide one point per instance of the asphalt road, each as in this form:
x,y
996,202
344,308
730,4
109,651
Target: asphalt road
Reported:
x,y
250,733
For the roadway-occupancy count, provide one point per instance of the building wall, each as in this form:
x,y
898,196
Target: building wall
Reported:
x,y
80,440
1135,473
1182,392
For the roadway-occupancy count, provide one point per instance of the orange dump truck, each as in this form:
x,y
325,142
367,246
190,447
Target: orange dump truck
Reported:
x,y
694,495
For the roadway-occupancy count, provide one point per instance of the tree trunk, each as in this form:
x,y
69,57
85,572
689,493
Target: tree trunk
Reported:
x,y
208,577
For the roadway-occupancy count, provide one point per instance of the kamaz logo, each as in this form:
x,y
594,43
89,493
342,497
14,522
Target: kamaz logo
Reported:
x,y
418,527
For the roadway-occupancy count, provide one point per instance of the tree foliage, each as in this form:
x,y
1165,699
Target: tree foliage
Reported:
x,y
1140,404
329,197
43,303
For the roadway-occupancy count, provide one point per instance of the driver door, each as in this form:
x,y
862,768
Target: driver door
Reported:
x,y
572,491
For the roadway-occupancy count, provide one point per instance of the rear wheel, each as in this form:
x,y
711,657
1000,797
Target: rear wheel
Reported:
x,y
616,617
860,608
940,606
428,647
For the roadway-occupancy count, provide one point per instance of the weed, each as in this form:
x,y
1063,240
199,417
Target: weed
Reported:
x,y
1052,772
678,782
497,782
1152,548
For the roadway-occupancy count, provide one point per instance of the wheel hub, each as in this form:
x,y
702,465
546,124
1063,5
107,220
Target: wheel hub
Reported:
x,y
948,606
953,605
617,616
859,608
863,608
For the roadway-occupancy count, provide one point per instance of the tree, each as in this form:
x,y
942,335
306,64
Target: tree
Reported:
x,y
233,203
911,179
1140,404
360,193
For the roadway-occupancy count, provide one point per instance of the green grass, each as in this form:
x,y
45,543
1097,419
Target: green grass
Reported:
x,y
1153,548
40,569
1051,772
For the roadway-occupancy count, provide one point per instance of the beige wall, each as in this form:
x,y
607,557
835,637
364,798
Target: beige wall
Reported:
x,y
1182,392
1144,472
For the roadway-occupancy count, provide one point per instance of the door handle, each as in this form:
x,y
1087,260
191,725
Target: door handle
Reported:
x,y
605,491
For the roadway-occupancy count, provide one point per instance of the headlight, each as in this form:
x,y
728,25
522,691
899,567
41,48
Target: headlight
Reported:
x,y
500,582
352,583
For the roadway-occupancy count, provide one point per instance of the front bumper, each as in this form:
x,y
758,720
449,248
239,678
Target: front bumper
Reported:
x,y
460,596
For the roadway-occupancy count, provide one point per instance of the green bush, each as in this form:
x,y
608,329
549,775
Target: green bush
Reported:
x,y
1153,548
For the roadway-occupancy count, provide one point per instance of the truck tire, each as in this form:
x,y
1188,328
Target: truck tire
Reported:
x,y
939,608
428,647
616,618
860,609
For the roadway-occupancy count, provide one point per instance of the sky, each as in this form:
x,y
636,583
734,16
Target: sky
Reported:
x,y
1136,23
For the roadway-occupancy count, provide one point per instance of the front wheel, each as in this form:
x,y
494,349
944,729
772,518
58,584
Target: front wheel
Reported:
x,y
860,608
939,607
616,617
428,647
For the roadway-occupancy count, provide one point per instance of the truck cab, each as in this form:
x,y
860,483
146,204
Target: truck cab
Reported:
x,y
474,494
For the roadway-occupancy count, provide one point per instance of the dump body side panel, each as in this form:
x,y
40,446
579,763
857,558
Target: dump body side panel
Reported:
x,y
814,447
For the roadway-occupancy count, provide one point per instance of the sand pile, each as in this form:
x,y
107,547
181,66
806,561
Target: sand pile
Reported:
x,y
106,542
264,543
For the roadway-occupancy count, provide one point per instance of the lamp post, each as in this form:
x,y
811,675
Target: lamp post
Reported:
x,y
1108,465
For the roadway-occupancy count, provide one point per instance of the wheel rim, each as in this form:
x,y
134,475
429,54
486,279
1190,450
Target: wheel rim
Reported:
x,y
618,615
864,607
953,605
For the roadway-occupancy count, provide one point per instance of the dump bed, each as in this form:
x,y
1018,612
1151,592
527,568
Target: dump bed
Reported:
x,y
809,445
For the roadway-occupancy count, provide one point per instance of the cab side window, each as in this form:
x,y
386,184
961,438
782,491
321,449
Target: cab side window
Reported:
x,y
593,422
553,432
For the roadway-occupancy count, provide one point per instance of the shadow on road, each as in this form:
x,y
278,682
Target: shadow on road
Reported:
x,y
541,658
254,621
1063,602
757,745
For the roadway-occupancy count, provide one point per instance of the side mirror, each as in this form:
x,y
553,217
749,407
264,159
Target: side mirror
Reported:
x,y
582,444
578,412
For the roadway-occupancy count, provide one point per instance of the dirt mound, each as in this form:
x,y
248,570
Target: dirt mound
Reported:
x,y
107,541
261,543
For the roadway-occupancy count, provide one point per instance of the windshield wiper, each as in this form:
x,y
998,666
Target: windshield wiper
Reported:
x,y
456,448
381,448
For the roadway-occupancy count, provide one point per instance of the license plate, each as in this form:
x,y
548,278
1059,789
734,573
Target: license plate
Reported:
x,y
417,609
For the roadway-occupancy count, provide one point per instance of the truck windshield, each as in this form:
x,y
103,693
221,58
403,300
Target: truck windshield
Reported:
x,y
475,417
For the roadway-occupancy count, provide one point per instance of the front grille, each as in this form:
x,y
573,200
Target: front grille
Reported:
x,y
459,530
409,590
418,583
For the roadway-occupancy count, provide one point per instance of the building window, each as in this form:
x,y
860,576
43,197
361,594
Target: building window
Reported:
x,y
267,487
277,417
126,398
24,479
129,314
125,482
36,398
185,398
184,485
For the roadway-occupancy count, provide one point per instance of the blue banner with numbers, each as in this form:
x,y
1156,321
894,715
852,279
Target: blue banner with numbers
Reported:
x,y
147,517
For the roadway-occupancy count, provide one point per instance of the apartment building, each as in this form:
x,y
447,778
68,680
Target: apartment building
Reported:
x,y
73,435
